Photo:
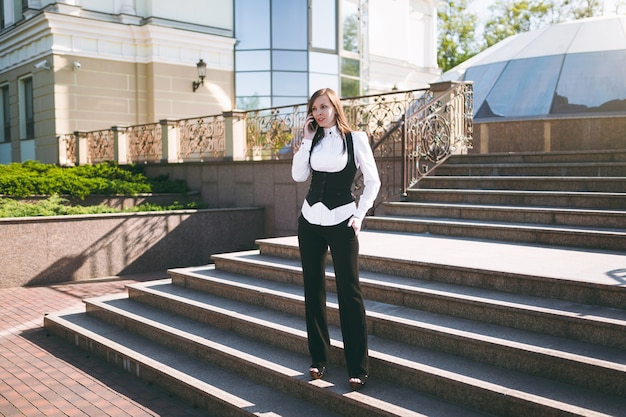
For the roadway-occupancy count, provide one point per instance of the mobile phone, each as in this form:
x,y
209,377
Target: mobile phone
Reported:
x,y
314,124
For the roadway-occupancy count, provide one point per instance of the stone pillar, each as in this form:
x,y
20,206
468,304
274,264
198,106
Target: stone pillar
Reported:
x,y
484,138
547,136
120,142
235,135
82,150
169,139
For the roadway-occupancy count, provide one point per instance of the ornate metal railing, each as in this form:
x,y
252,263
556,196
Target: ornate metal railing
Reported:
x,y
275,132
411,132
201,138
437,130
145,143
100,146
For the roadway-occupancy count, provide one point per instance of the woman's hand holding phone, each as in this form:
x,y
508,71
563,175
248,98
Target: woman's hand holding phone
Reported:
x,y
310,127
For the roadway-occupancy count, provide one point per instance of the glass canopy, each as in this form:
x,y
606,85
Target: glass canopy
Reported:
x,y
569,68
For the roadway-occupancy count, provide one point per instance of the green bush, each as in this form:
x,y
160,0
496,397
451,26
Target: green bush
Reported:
x,y
107,178
58,206
33,178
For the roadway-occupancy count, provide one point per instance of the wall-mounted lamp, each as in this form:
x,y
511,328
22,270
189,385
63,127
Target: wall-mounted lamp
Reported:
x,y
201,65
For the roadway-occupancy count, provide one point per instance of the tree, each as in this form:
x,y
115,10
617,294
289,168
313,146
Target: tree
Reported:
x,y
582,8
512,17
456,34
457,27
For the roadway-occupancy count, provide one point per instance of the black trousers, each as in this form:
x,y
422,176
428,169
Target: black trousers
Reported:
x,y
314,242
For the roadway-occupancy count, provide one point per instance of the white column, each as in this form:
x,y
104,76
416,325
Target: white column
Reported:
x,y
127,7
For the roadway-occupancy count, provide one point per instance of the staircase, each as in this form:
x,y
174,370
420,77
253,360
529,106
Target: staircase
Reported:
x,y
498,289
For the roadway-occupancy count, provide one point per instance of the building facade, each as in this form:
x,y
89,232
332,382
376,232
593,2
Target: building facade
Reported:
x,y
84,65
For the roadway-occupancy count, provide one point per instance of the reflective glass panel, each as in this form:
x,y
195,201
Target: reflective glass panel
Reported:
x,y
288,101
350,87
289,28
323,63
592,82
324,24
253,83
253,60
253,102
525,88
350,22
350,67
317,81
252,24
289,83
484,77
289,60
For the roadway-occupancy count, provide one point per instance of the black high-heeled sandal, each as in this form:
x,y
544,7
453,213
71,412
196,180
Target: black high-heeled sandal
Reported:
x,y
357,382
317,371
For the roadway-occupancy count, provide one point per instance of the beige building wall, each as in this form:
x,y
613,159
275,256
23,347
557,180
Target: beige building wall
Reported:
x,y
111,70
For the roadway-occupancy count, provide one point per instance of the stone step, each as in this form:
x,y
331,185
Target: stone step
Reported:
x,y
586,169
206,385
580,276
618,155
471,333
434,372
525,183
394,365
521,198
614,219
537,234
587,323
228,339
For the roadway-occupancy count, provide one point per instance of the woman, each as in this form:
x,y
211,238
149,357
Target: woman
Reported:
x,y
330,218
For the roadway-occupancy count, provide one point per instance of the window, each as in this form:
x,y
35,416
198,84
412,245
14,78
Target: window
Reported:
x,y
350,49
289,20
5,115
27,113
324,25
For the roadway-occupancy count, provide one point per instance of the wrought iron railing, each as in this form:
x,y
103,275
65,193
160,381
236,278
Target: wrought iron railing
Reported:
x,y
411,132
201,138
145,143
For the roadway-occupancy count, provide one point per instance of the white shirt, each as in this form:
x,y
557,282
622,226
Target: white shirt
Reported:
x,y
329,156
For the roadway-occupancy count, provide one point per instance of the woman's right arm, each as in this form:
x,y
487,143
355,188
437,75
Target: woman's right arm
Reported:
x,y
300,168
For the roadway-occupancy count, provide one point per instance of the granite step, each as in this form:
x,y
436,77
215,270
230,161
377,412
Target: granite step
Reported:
x,y
605,219
587,364
521,198
525,183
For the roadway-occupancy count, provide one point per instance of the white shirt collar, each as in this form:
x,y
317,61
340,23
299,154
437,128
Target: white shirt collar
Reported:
x,y
331,131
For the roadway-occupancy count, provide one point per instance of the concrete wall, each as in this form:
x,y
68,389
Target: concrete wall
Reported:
x,y
44,250
266,184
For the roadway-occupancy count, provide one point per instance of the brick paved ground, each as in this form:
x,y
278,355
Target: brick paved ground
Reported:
x,y
43,375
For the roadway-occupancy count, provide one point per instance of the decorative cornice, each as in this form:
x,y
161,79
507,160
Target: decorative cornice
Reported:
x,y
62,34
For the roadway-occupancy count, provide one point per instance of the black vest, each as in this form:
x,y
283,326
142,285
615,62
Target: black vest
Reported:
x,y
333,189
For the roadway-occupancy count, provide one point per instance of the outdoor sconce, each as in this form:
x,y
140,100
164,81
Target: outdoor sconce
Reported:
x,y
201,74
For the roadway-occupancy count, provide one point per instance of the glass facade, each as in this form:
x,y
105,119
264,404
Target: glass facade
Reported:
x,y
271,52
286,50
